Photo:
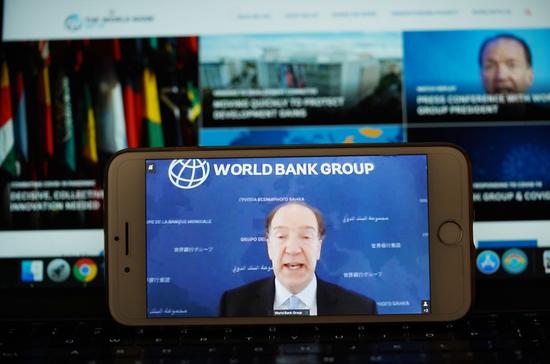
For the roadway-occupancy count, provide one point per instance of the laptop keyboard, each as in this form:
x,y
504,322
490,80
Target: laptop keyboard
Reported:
x,y
479,338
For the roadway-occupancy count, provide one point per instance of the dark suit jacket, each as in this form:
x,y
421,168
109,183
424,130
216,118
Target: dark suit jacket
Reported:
x,y
256,299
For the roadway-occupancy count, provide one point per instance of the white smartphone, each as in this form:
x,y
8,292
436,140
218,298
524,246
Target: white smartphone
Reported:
x,y
316,234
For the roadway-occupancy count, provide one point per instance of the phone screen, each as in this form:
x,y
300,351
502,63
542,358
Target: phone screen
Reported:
x,y
304,236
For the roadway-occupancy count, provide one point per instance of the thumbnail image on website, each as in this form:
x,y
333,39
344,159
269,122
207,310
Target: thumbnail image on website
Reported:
x,y
477,75
70,105
300,236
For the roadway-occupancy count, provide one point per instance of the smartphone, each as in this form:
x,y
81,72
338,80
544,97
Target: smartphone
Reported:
x,y
309,234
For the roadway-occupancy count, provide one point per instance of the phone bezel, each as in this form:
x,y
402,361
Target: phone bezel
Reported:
x,y
449,196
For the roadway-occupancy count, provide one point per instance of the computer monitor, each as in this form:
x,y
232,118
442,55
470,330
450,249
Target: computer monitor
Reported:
x,y
81,81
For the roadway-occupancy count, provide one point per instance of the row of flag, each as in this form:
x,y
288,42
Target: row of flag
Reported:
x,y
82,118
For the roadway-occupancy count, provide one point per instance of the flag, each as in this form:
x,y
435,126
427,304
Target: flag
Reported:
x,y
132,114
88,131
195,109
68,126
45,102
117,50
7,137
133,98
167,77
152,109
20,119
194,42
138,107
110,113
87,120
64,121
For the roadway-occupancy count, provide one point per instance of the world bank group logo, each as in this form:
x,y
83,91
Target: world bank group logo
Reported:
x,y
73,22
188,173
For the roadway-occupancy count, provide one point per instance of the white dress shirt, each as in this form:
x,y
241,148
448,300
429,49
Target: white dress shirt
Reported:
x,y
308,296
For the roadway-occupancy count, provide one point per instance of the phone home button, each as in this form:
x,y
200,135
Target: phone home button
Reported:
x,y
450,233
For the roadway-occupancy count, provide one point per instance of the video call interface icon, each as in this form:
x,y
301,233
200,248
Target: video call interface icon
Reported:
x,y
426,306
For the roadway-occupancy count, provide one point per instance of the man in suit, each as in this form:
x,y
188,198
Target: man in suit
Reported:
x,y
295,233
507,69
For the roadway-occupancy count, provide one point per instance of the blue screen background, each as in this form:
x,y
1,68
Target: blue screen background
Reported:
x,y
189,266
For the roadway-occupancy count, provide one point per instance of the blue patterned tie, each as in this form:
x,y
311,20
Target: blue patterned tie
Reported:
x,y
294,303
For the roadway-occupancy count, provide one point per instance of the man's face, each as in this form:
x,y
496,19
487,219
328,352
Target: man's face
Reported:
x,y
504,68
294,246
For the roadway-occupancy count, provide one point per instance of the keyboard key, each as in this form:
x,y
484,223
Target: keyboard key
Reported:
x,y
126,351
156,340
306,348
396,347
10,354
261,349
